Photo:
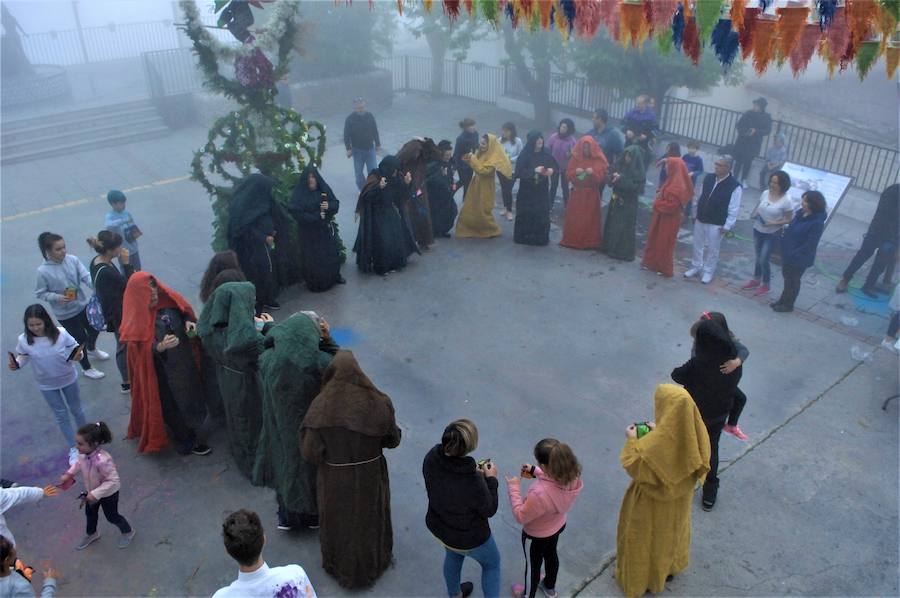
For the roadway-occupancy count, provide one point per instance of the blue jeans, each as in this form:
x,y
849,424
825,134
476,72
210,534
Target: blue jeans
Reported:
x,y
363,157
62,401
487,556
763,243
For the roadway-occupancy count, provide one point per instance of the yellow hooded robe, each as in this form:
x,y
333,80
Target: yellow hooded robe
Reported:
x,y
476,219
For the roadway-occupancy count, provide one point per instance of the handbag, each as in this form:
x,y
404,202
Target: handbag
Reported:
x,y
94,310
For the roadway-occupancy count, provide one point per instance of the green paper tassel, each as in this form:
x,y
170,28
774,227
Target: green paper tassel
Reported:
x,y
866,57
488,10
892,7
664,41
707,13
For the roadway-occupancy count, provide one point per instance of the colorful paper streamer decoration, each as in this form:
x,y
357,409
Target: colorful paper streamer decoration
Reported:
x,y
763,44
891,60
826,9
707,13
633,23
691,43
805,48
725,42
738,8
791,20
588,18
451,8
660,13
866,56
748,30
862,16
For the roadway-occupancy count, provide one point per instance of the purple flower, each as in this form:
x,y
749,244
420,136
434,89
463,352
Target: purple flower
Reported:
x,y
288,591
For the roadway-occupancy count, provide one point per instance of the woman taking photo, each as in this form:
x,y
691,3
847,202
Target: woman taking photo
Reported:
x,y
60,281
512,145
52,350
770,215
653,539
109,286
462,497
798,247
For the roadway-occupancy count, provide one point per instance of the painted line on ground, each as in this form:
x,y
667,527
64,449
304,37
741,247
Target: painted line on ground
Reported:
x,y
84,200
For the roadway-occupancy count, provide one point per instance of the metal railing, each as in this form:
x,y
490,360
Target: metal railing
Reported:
x,y
171,72
873,167
473,80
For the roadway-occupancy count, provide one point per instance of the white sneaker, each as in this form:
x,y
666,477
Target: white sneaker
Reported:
x,y
97,353
73,456
691,273
889,346
94,374
707,278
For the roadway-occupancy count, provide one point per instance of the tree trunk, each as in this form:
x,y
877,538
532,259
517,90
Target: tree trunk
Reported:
x,y
438,46
537,84
540,96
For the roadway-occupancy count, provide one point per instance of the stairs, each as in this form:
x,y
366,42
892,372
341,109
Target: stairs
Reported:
x,y
68,132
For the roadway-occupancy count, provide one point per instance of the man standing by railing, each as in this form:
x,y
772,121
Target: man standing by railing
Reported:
x,y
609,139
361,140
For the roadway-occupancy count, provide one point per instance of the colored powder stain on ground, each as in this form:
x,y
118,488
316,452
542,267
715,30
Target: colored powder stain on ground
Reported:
x,y
345,337
871,306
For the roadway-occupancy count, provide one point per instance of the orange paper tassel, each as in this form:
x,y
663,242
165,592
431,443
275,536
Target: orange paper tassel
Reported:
x,y
633,23
545,6
587,19
805,48
470,6
763,44
690,45
837,39
790,25
891,60
737,14
862,17
525,9
746,37
560,21
427,4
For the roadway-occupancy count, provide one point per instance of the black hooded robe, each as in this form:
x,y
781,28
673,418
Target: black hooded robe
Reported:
x,y
320,249
532,225
439,180
384,239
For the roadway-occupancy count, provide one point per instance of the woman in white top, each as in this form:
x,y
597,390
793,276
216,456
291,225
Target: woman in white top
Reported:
x,y
512,145
771,214
52,352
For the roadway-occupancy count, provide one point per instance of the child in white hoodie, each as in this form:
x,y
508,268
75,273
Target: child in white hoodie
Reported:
x,y
543,511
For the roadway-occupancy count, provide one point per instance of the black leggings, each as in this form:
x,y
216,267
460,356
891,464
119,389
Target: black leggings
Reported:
x,y
506,190
894,325
740,399
542,551
554,183
110,506
83,333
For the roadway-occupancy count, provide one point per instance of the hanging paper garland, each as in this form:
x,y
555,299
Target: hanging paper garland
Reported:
x,y
451,8
427,4
891,60
892,7
862,17
763,44
805,48
826,10
544,8
866,56
691,43
791,20
707,14
661,13
747,32
633,23
569,9
678,28
664,42
488,10
836,40
470,6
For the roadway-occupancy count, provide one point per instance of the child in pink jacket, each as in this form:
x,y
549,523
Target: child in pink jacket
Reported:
x,y
101,482
543,511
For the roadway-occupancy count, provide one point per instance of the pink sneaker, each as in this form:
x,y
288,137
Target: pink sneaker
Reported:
x,y
736,432
750,285
518,590
762,290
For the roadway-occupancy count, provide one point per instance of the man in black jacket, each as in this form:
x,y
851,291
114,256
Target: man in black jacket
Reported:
x,y
751,127
882,238
361,140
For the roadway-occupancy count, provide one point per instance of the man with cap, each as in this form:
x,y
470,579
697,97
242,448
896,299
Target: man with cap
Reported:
x,y
714,212
361,140
751,127
120,220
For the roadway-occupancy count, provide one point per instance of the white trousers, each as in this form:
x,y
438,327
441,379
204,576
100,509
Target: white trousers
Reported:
x,y
707,239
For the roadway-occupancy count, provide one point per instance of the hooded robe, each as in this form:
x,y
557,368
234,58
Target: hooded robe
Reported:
x,y
584,223
439,181
621,217
414,157
230,337
320,246
653,539
384,239
166,389
476,218
533,199
343,434
668,212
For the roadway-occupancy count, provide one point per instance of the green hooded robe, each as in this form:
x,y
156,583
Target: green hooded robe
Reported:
x,y
230,337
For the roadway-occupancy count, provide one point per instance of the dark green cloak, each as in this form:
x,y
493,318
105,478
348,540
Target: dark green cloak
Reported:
x,y
291,376
230,337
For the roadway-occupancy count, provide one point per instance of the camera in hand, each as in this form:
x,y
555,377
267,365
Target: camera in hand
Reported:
x,y
641,428
483,464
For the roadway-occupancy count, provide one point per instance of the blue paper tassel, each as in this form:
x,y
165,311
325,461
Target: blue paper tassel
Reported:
x,y
763,5
826,10
569,9
678,27
725,42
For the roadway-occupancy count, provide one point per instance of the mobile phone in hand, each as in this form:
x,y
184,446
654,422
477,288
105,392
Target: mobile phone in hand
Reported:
x,y
13,361
74,352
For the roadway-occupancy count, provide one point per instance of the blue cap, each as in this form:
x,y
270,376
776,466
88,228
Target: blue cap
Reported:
x,y
115,196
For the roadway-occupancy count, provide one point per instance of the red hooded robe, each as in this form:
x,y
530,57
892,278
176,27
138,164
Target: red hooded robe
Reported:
x,y
138,329
583,228
672,196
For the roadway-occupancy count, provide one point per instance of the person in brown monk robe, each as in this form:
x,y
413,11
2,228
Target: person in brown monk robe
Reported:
x,y
343,433
414,157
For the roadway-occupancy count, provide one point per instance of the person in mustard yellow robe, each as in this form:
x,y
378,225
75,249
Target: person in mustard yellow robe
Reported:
x,y
476,219
653,540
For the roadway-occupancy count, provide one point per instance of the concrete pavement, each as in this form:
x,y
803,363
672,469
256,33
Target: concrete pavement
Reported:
x,y
528,342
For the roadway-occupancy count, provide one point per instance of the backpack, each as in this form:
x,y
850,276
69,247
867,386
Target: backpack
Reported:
x,y
94,310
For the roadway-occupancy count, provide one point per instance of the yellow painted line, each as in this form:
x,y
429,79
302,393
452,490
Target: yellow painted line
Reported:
x,y
84,200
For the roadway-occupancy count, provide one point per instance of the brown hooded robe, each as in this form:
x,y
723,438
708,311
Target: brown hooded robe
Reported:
x,y
347,426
